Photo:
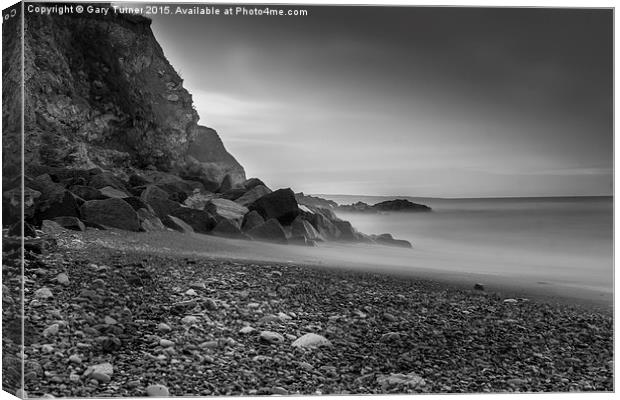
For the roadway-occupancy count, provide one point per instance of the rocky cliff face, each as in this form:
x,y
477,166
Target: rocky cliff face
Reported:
x,y
99,92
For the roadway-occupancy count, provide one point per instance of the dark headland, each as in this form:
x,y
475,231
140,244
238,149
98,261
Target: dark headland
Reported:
x,y
120,180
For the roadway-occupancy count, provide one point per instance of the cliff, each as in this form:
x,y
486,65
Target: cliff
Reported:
x,y
99,92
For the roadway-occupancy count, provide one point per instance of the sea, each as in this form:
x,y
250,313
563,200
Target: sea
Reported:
x,y
561,241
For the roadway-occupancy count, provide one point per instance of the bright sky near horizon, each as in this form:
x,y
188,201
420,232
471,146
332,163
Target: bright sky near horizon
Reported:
x,y
441,102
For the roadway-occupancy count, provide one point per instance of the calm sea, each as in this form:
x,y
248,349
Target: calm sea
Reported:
x,y
561,240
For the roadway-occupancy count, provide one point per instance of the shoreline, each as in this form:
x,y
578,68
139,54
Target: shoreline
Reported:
x,y
337,256
442,338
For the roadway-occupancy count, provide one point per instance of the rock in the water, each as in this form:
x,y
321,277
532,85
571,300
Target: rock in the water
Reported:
x,y
252,195
271,337
301,227
157,391
111,212
252,220
388,240
226,228
223,209
270,231
311,340
201,221
400,205
280,205
411,380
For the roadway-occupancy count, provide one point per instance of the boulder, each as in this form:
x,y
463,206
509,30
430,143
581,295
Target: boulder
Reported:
x,y
137,180
301,227
252,183
106,179
12,204
226,209
280,205
137,203
158,199
177,224
234,194
388,240
252,220
347,232
110,192
252,195
326,228
227,184
270,231
201,221
16,230
149,221
72,223
87,193
227,228
199,200
111,212
57,204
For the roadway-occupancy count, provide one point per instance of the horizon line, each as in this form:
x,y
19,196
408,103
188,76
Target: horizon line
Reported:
x,y
463,198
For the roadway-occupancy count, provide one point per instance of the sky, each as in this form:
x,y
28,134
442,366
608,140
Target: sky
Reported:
x,y
438,102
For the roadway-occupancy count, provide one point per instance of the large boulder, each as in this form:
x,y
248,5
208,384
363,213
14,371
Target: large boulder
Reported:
x,y
72,223
252,195
159,200
149,221
252,220
227,228
252,183
388,240
201,221
280,205
226,209
87,193
301,227
107,179
177,224
57,204
270,231
111,212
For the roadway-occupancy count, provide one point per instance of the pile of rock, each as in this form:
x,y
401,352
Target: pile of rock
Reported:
x,y
150,200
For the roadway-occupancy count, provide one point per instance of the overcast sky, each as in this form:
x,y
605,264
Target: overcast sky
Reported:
x,y
437,102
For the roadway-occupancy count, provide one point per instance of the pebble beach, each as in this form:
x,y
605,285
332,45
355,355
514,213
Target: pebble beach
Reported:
x,y
103,321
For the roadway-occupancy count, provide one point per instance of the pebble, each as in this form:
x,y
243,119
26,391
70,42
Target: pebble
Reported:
x,y
74,377
389,317
269,318
162,327
62,278
132,384
43,293
516,382
100,377
246,329
390,337
47,348
210,304
510,300
305,365
191,292
109,320
478,286
189,320
271,337
75,359
157,391
411,379
166,343
278,390
51,330
311,340
197,285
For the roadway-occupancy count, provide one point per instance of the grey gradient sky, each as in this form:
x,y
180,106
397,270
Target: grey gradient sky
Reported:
x,y
443,102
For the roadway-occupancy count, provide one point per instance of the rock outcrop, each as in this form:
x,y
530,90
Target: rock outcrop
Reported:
x,y
99,92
